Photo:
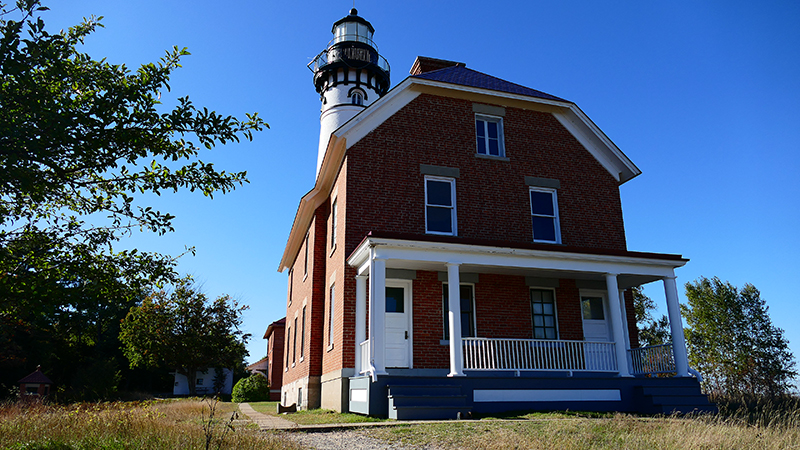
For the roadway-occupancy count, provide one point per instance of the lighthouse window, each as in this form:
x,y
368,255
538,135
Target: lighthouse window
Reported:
x,y
357,98
489,131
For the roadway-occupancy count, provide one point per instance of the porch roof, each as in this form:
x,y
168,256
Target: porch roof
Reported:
x,y
430,253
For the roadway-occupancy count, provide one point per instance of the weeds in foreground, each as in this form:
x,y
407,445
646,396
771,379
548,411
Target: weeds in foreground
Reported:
x,y
128,425
779,411
619,431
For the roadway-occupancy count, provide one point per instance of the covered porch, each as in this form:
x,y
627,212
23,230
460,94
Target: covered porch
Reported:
x,y
603,277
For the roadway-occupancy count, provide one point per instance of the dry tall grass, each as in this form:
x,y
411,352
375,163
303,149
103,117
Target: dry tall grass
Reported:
x,y
618,432
127,425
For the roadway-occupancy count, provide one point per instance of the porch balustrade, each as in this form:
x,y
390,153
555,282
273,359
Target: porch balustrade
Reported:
x,y
364,347
653,359
537,354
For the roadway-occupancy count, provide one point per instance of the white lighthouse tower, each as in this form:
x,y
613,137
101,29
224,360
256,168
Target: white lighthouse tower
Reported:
x,y
349,75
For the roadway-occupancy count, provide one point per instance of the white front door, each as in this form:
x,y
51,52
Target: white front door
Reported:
x,y
594,309
398,323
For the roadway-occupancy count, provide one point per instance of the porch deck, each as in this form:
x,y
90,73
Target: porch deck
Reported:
x,y
499,354
425,394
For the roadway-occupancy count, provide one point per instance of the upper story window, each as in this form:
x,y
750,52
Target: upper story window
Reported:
x,y
357,98
440,205
544,215
333,223
305,258
489,131
291,285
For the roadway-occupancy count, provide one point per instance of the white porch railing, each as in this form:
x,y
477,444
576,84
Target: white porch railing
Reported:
x,y
535,354
653,359
364,357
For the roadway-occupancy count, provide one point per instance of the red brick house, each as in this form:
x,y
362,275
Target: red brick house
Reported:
x,y
463,249
274,370
35,385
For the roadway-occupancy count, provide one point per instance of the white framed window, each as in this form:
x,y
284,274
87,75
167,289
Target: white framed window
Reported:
x,y
303,335
357,98
294,343
467,307
305,258
544,215
489,133
291,285
440,205
288,335
333,223
543,314
331,315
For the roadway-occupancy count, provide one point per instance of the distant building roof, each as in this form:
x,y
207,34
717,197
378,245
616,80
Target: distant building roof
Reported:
x,y
36,377
261,364
459,74
281,323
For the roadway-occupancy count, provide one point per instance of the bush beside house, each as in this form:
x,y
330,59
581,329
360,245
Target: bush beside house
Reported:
x,y
254,388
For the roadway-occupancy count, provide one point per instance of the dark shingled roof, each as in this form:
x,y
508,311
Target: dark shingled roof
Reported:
x,y
468,77
36,377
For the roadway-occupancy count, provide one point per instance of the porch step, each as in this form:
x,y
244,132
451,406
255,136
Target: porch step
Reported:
x,y
423,402
671,399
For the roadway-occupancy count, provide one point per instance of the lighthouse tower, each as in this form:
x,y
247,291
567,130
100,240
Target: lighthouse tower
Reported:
x,y
349,75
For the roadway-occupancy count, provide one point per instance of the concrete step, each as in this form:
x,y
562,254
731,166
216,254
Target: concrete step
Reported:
x,y
669,390
427,412
428,400
413,389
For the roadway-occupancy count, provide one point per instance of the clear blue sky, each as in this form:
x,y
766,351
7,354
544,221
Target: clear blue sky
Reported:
x,y
703,96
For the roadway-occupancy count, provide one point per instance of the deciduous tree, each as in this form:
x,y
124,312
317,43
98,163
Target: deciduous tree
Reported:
x,y
732,341
183,330
81,141
652,331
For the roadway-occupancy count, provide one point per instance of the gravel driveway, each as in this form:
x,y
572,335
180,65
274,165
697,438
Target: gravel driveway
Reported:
x,y
345,440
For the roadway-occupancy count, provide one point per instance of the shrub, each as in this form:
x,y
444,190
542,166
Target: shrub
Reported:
x,y
254,388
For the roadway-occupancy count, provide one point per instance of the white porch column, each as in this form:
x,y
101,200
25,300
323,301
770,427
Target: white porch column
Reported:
x,y
377,314
361,319
454,320
624,310
676,327
616,324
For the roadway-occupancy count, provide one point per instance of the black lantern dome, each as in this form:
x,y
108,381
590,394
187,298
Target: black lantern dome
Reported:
x,y
352,47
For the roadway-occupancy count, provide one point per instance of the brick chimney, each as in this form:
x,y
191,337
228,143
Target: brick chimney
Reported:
x,y
425,64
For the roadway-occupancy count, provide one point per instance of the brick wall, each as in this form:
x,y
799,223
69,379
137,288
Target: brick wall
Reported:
x,y
276,358
308,290
386,191
502,310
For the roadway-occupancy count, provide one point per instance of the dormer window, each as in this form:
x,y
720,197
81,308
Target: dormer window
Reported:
x,y
489,132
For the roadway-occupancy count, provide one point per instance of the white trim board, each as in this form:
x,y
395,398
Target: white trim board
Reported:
x,y
546,395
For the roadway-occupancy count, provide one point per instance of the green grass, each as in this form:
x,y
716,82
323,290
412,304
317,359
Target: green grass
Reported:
x,y
129,425
313,416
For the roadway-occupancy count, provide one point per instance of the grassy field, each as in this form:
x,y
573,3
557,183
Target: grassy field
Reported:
x,y
185,424
180,424
618,432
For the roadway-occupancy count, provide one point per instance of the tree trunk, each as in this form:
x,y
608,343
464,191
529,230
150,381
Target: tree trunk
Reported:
x,y
191,377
